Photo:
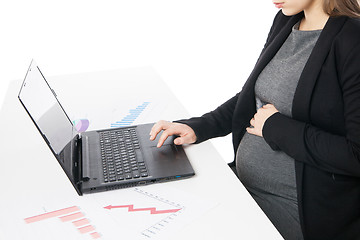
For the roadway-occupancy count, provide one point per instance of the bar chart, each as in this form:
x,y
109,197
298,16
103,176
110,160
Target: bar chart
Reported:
x,y
71,214
129,119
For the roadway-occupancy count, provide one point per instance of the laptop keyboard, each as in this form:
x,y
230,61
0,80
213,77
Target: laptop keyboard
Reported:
x,y
121,156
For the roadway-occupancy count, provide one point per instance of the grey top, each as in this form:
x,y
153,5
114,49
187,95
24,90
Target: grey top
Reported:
x,y
269,175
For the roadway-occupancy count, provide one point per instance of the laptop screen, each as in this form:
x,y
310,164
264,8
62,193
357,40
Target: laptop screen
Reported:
x,y
45,110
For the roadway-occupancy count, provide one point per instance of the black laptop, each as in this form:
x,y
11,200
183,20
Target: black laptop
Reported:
x,y
100,160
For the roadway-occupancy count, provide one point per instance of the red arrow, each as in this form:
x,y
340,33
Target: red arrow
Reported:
x,y
152,210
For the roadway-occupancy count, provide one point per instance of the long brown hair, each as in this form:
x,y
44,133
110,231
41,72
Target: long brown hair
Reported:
x,y
348,8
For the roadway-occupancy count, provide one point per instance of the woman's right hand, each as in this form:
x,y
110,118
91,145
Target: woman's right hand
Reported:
x,y
186,134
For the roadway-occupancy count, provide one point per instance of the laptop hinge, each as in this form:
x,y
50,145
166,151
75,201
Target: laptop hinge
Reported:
x,y
79,159
85,158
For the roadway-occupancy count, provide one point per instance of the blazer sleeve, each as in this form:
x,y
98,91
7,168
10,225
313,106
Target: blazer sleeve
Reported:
x,y
314,146
218,123
213,124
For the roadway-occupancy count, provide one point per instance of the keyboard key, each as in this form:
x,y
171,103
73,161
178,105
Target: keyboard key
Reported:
x,y
120,153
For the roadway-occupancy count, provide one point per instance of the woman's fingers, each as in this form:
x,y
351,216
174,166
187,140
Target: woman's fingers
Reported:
x,y
185,139
158,127
252,122
164,136
186,133
268,106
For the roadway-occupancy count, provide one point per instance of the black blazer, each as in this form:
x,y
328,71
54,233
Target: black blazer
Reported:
x,y
323,136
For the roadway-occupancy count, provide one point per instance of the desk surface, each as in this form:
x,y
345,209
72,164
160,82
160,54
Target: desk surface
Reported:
x,y
32,178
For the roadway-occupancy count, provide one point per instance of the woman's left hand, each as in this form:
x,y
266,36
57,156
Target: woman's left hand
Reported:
x,y
259,119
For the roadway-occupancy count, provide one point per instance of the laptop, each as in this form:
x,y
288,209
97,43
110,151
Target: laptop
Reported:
x,y
105,159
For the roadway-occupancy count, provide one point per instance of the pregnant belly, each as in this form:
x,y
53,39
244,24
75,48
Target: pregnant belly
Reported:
x,y
261,168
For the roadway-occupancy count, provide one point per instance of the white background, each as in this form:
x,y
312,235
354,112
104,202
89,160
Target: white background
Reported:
x,y
203,49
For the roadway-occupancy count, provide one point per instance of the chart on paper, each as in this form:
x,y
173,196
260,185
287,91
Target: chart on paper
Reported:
x,y
119,116
149,212
129,119
121,98
88,120
68,215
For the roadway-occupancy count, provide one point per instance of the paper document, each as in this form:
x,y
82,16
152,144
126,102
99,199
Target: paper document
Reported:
x,y
148,212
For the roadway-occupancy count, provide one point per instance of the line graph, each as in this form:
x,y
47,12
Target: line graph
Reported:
x,y
155,229
70,214
142,213
148,211
152,210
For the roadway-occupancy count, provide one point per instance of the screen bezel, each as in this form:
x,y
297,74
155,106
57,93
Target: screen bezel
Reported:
x,y
69,157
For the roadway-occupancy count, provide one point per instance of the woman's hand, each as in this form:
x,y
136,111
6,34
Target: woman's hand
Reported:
x,y
186,133
259,119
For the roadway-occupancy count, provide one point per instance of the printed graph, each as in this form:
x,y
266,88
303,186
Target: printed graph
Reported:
x,y
71,214
141,213
129,119
146,212
152,210
155,229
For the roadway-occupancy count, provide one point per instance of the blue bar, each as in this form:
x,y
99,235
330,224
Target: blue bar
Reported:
x,y
115,126
132,116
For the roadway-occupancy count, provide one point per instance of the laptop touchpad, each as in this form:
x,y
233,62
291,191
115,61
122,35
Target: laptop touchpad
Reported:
x,y
169,161
164,154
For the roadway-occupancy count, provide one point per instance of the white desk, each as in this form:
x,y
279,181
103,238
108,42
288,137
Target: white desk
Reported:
x,y
29,173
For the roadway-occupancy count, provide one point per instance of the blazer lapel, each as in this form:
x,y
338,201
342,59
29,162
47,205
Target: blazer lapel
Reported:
x,y
304,90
